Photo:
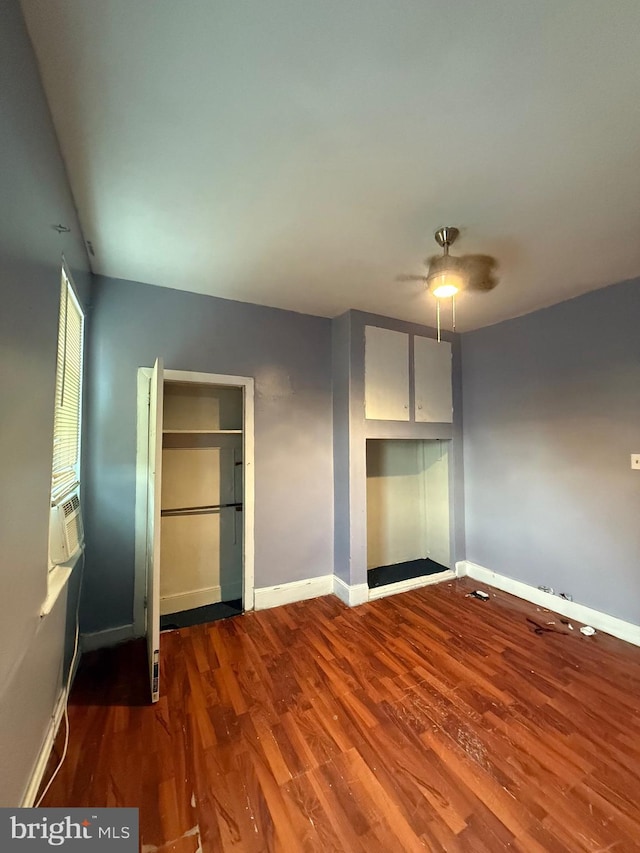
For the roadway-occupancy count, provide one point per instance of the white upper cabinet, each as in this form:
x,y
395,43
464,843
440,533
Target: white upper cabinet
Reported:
x,y
386,374
433,402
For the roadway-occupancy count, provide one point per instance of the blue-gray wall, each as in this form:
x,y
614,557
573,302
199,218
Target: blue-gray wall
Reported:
x,y
35,196
288,354
551,415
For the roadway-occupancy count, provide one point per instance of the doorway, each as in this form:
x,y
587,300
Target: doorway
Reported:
x,y
194,502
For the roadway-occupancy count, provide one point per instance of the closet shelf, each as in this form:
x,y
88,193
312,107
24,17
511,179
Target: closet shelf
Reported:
x,y
202,432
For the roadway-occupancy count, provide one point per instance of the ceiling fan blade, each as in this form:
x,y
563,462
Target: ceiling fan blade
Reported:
x,y
480,271
484,285
403,277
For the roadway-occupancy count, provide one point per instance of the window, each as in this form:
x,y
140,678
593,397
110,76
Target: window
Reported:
x,y
68,401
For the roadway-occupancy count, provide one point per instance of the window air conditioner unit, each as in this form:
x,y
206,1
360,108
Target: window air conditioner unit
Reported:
x,y
66,534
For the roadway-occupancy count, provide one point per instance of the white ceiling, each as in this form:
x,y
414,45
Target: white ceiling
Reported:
x,y
300,153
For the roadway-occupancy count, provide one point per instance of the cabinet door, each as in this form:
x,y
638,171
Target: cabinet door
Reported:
x,y
386,374
433,381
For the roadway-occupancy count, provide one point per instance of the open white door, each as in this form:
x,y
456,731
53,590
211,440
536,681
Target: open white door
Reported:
x,y
153,527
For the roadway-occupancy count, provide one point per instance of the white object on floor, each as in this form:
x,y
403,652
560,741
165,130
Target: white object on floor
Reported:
x,y
627,631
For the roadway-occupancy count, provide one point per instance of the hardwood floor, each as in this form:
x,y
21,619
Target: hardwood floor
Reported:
x,y
425,721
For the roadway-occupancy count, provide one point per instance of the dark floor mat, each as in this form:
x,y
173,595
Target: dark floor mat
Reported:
x,y
200,615
383,575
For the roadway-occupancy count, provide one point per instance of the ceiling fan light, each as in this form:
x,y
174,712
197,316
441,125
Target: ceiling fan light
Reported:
x,y
445,284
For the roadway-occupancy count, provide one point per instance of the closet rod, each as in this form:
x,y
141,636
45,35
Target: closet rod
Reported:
x,y
207,508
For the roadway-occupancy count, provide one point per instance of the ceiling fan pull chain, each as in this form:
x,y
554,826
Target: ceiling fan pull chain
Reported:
x,y
453,311
438,316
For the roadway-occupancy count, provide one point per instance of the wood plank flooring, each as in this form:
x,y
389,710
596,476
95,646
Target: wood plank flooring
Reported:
x,y
425,721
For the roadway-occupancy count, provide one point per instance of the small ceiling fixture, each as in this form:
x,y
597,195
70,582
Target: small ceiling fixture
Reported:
x,y
449,275
445,276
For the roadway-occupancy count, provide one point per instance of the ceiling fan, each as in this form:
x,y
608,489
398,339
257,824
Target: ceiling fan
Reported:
x,y
448,275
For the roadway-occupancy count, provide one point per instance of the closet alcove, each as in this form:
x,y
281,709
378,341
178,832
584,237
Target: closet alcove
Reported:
x,y
408,528
201,503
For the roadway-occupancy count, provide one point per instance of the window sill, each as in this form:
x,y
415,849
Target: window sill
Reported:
x,y
57,581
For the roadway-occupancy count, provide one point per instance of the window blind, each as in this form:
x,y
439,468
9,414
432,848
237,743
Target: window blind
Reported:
x,y
68,400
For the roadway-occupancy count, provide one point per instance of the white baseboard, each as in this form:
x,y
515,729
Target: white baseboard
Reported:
x,y
351,595
411,583
274,596
103,639
37,775
189,600
287,593
461,569
626,631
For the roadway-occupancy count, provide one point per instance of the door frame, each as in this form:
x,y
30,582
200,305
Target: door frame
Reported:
x,y
142,464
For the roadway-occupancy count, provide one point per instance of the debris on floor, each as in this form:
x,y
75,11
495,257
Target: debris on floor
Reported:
x,y
542,629
587,630
478,593
548,589
548,628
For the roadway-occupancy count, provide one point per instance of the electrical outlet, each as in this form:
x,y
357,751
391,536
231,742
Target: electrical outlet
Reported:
x,y
635,460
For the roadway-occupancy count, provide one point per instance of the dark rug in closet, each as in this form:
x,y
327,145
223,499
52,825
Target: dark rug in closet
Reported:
x,y
383,575
200,615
